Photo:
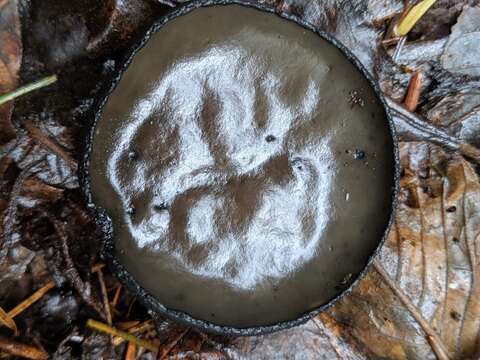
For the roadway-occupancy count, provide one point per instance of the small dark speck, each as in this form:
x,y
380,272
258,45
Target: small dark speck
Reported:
x,y
131,211
270,138
160,207
359,154
451,209
212,315
132,155
455,315
455,240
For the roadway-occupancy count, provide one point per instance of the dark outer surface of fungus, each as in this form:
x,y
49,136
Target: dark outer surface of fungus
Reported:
x,y
225,160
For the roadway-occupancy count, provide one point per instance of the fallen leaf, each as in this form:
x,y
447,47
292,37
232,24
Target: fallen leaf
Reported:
x,y
462,53
10,57
433,255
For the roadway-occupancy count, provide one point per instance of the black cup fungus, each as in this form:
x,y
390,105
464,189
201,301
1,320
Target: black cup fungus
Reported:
x,y
222,168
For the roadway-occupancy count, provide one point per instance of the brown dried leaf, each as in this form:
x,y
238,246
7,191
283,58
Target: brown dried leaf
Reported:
x,y
10,57
432,253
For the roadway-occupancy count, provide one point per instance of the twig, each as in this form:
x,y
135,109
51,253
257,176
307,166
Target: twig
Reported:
x,y
431,132
135,329
413,92
37,295
84,289
163,354
125,325
412,17
103,288
432,337
27,88
96,325
131,353
8,321
18,349
50,145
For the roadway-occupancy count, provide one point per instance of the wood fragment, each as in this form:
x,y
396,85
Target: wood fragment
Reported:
x,y
22,350
48,144
37,295
165,351
7,320
22,90
131,353
413,16
432,337
414,90
97,325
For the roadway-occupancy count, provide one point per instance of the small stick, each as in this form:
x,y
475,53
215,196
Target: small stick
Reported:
x,y
413,92
37,295
131,353
116,297
432,337
21,350
8,321
22,90
97,325
50,145
103,288
125,325
170,346
136,329
413,16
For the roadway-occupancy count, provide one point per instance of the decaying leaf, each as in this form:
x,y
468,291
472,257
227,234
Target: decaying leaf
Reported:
x,y
462,53
432,253
10,57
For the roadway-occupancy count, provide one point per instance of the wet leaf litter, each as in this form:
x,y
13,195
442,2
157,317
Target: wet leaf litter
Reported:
x,y
433,261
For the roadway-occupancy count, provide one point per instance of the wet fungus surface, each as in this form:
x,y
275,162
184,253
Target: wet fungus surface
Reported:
x,y
247,167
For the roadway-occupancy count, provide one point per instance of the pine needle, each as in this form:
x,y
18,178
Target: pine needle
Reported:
x,y
22,350
37,295
413,16
135,329
22,90
7,320
97,325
